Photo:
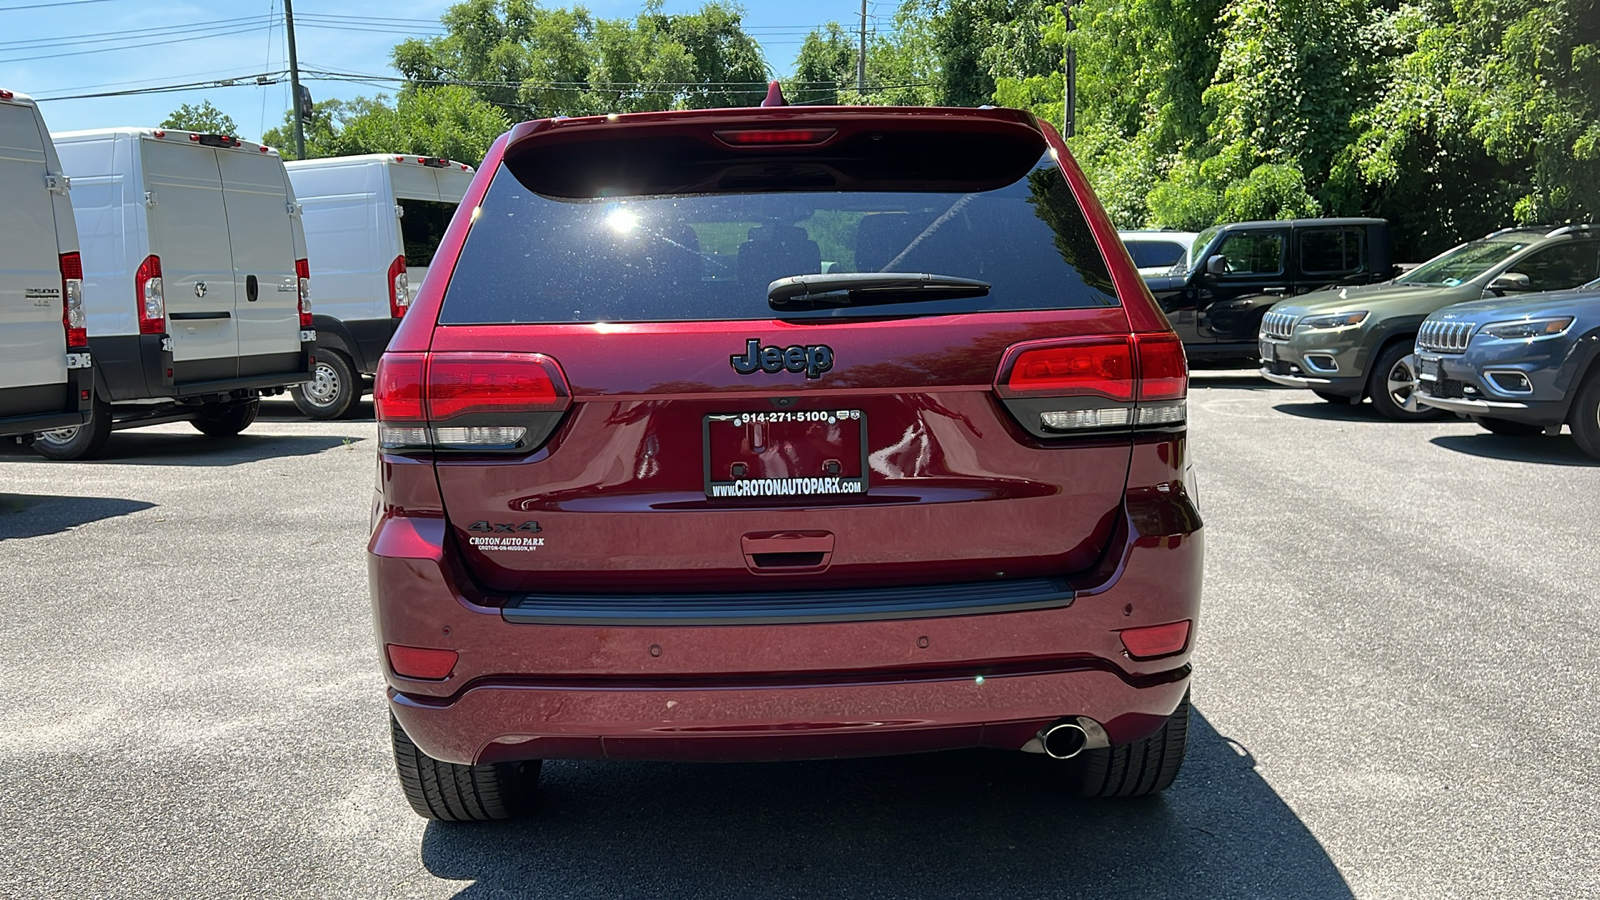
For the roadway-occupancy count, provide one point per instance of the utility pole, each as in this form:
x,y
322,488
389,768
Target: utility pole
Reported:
x,y
861,58
294,82
1069,108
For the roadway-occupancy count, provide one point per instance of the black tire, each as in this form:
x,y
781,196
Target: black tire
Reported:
x,y
1508,427
451,792
226,420
82,442
1142,767
1340,399
1392,385
334,389
1584,417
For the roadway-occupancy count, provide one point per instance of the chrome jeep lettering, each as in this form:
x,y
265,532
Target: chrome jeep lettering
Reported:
x,y
812,359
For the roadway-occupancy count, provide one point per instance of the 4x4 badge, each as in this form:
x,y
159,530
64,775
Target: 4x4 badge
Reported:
x,y
505,527
812,359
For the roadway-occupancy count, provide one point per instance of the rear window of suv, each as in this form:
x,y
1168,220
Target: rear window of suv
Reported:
x,y
534,257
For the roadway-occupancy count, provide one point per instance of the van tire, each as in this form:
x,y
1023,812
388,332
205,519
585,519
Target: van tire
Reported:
x,y
85,441
334,390
1142,767
1397,360
218,420
451,792
1584,417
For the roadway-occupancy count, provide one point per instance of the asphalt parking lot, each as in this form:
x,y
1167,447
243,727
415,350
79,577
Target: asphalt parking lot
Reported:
x,y
1393,697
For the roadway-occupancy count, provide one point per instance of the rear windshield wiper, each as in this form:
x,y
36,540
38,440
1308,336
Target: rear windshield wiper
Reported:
x,y
869,289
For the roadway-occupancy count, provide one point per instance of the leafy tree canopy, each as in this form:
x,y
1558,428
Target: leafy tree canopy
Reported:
x,y
204,118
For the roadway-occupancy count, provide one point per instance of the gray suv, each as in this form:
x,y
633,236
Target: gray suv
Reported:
x,y
1346,344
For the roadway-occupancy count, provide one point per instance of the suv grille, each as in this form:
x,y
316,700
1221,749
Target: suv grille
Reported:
x,y
1445,337
1278,325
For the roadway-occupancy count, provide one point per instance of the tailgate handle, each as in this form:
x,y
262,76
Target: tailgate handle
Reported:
x,y
787,552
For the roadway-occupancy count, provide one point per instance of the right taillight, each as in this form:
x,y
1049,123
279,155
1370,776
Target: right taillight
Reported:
x,y
1097,384
151,296
467,401
399,288
73,317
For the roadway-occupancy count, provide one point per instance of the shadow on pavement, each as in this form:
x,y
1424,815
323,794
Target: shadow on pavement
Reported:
x,y
137,447
1335,412
33,515
285,411
1544,449
967,824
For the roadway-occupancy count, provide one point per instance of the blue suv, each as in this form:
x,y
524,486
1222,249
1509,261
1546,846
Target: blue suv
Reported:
x,y
1517,365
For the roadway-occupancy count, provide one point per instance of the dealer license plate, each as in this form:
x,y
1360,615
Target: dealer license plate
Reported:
x,y
786,454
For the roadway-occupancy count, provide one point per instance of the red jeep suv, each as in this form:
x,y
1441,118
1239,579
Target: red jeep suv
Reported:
x,y
781,433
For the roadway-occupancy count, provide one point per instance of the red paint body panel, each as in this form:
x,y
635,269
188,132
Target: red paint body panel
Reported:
x,y
958,492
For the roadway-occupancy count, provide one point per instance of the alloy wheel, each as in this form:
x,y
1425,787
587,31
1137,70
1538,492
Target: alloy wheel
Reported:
x,y
1402,383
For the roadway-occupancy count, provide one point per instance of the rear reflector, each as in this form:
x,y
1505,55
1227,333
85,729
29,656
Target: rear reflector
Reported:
x,y
1098,367
422,662
771,136
1156,640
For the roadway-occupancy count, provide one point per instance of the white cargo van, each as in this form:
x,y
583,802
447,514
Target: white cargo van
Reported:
x,y
195,280
372,225
46,377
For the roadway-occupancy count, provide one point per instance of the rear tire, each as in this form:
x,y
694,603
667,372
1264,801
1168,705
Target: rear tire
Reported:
x,y
1584,417
79,442
1340,399
333,390
1142,767
451,792
226,421
1393,385
1508,427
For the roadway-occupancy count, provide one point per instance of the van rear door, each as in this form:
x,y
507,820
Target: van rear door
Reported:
x,y
189,232
255,190
32,340
428,198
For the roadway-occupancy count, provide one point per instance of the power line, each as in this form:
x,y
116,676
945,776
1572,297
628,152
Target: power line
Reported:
x,y
48,5
124,34
138,46
258,80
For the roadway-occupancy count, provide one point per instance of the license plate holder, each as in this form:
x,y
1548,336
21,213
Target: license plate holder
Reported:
x,y
1428,368
1269,352
803,455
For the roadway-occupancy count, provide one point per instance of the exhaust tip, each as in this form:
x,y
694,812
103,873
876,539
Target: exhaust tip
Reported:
x,y
1063,740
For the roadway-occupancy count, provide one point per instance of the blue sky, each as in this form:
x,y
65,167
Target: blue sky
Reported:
x,y
60,48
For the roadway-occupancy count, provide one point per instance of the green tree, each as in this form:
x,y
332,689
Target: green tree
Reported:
x,y
539,62
204,118
444,121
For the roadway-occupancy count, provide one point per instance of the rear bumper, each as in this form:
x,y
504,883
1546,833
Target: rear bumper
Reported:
x,y
782,691
499,721
29,410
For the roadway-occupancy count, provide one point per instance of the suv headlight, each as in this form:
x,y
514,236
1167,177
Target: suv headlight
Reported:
x,y
1341,320
1524,329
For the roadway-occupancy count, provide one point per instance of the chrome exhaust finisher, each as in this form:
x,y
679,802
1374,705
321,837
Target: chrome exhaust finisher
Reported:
x,y
1068,737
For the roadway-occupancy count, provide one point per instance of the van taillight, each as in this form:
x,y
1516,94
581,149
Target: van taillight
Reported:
x,y
1096,384
73,317
467,401
399,288
151,296
302,273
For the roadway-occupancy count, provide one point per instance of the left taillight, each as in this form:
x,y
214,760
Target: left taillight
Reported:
x,y
302,274
73,317
468,401
399,288
1096,384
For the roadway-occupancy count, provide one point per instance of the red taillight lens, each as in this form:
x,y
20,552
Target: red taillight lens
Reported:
x,y
1163,370
399,288
422,662
462,384
302,272
151,296
769,136
397,388
1100,367
74,319
1151,641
